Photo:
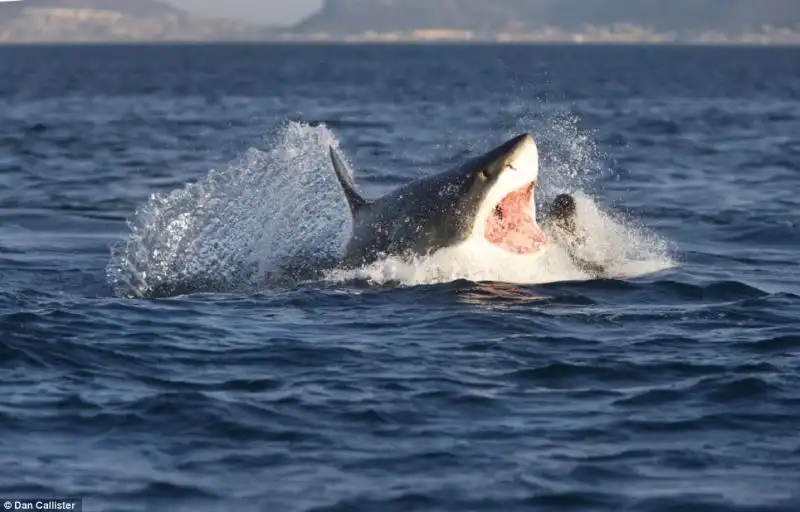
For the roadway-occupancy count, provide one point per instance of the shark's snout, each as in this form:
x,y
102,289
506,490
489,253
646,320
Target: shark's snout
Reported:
x,y
524,156
518,152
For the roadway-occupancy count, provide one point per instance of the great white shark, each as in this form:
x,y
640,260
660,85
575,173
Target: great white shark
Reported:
x,y
486,202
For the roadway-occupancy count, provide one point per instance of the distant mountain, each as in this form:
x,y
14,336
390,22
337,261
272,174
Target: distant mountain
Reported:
x,y
141,8
627,21
486,16
137,8
58,21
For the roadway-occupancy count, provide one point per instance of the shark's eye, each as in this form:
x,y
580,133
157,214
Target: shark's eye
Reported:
x,y
482,176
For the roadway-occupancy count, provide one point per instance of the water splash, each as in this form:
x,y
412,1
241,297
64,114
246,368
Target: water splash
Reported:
x,y
278,215
570,159
238,227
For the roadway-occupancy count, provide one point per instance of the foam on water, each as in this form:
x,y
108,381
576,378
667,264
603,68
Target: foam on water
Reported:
x,y
277,213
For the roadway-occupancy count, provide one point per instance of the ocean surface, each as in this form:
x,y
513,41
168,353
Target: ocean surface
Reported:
x,y
157,353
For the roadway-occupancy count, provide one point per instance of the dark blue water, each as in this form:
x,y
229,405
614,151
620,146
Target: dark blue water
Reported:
x,y
672,385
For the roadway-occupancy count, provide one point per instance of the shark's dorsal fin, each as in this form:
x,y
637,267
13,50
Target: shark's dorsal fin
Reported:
x,y
354,199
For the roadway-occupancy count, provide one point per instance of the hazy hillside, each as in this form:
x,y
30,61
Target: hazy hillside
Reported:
x,y
35,21
357,16
139,8
604,21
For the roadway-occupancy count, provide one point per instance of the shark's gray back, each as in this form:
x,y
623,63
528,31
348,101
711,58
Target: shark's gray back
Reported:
x,y
420,217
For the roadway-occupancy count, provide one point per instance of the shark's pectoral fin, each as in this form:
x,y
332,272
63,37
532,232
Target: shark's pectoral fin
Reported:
x,y
354,199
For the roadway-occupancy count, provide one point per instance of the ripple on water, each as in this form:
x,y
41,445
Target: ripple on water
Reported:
x,y
672,385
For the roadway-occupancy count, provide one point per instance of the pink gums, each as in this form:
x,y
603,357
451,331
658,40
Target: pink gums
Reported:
x,y
511,227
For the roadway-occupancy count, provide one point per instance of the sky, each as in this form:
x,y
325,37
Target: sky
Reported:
x,y
261,11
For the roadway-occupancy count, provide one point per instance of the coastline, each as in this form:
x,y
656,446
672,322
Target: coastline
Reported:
x,y
398,43
94,26
60,25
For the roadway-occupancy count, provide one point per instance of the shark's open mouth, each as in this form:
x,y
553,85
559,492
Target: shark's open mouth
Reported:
x,y
511,226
